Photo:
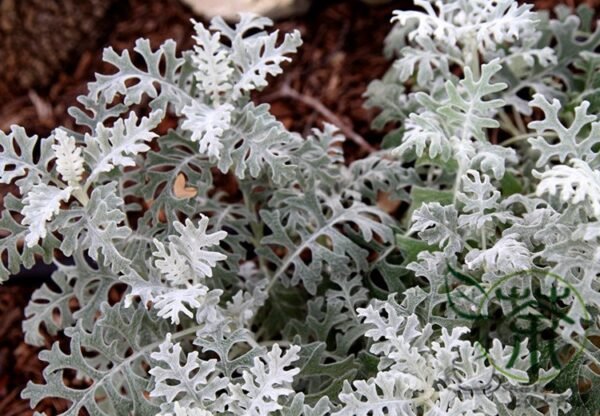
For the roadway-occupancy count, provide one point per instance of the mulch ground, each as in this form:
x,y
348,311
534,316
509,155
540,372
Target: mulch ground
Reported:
x,y
342,53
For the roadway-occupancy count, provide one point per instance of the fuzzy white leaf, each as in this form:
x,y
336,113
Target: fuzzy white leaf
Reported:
x,y
438,225
423,130
259,57
387,394
399,340
264,383
100,227
69,161
118,145
426,58
478,195
466,110
572,141
506,256
575,184
186,258
179,410
208,125
174,302
249,25
171,301
172,264
196,382
41,204
488,24
22,161
492,159
212,63
481,201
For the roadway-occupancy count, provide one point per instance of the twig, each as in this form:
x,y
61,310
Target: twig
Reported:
x,y
8,399
287,92
520,137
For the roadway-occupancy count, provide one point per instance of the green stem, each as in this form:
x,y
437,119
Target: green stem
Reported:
x,y
508,125
281,342
107,377
520,137
257,231
257,235
519,120
483,238
457,182
81,196
474,61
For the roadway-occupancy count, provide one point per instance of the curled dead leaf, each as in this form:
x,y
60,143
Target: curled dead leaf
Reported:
x,y
182,191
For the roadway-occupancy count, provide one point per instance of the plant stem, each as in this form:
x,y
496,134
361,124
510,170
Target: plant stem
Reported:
x,y
457,182
257,232
474,55
281,342
519,120
288,92
483,238
81,196
520,137
508,125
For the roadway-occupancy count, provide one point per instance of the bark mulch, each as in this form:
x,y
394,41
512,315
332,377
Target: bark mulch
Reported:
x,y
342,53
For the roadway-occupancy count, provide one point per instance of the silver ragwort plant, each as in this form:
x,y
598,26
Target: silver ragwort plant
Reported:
x,y
294,292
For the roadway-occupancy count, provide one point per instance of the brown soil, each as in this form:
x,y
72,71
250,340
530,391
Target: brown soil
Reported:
x,y
340,56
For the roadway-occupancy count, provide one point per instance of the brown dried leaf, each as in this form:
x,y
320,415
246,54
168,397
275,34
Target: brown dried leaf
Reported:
x,y
182,191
